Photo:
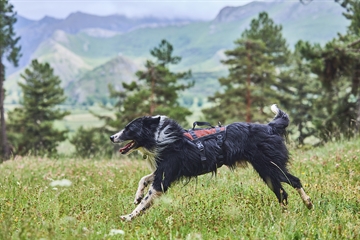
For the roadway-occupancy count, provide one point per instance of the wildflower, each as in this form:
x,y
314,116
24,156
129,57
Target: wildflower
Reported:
x,y
61,183
115,232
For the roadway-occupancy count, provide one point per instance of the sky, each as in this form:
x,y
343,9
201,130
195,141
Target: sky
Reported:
x,y
193,9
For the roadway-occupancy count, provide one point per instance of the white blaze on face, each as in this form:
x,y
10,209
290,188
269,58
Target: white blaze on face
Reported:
x,y
117,136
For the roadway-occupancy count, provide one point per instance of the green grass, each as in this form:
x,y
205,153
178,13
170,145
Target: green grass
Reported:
x,y
233,205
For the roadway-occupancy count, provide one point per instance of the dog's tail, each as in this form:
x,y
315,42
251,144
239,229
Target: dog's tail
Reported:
x,y
280,121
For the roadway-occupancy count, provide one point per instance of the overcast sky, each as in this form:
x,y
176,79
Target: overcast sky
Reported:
x,y
195,9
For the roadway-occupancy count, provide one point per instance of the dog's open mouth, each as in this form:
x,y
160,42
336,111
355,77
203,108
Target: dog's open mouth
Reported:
x,y
127,147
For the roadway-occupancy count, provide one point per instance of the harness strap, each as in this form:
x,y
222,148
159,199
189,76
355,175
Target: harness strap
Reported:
x,y
200,146
220,140
197,137
193,135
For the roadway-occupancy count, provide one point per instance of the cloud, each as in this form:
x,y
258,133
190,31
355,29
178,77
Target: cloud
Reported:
x,y
205,10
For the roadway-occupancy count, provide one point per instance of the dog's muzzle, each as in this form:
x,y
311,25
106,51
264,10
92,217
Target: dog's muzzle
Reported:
x,y
115,138
131,145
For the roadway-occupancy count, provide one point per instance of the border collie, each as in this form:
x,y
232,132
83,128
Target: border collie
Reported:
x,y
173,155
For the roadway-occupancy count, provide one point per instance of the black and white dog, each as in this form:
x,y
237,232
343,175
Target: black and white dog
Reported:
x,y
173,156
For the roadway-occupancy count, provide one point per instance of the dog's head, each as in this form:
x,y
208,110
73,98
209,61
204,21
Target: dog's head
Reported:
x,y
140,133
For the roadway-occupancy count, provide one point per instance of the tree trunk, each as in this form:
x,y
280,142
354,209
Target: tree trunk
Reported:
x,y
358,115
301,136
356,89
248,99
248,91
4,142
152,96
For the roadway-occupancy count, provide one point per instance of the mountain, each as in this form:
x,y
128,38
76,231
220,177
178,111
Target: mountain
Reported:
x,y
78,21
318,21
92,85
79,46
22,23
33,33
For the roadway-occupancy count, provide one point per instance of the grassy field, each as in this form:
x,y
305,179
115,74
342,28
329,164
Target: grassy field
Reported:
x,y
233,205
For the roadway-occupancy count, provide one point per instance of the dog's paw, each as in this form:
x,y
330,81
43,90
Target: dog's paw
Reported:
x,y
126,218
137,200
283,206
309,203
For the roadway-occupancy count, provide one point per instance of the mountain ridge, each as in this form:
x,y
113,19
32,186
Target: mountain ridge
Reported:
x,y
120,68
78,49
34,32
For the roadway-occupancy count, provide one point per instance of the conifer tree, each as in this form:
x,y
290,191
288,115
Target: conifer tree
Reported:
x,y
337,66
32,126
252,83
89,143
10,50
299,94
162,85
156,91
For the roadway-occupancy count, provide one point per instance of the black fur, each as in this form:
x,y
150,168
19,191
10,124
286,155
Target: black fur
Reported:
x,y
261,145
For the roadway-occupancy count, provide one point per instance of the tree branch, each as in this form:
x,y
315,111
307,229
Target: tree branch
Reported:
x,y
353,43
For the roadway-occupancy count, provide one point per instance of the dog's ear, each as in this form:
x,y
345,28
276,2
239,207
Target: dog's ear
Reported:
x,y
150,121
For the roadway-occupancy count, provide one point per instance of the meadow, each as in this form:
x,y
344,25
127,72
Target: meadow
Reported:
x,y
93,193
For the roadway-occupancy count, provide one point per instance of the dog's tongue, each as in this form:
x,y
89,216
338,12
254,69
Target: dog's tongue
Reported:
x,y
126,147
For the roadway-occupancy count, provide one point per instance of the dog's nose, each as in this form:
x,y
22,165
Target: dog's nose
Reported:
x,y
112,138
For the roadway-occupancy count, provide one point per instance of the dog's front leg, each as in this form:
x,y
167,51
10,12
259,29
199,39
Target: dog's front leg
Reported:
x,y
143,183
144,204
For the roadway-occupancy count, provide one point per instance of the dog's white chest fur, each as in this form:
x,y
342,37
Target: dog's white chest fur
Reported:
x,y
150,158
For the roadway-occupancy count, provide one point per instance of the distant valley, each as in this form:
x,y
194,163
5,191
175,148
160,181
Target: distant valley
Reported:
x,y
89,52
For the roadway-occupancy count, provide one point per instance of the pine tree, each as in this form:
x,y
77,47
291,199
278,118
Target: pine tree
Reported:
x,y
337,66
32,125
162,85
156,91
95,144
299,93
251,84
10,50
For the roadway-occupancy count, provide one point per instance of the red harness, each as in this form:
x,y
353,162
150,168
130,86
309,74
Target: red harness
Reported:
x,y
200,136
199,133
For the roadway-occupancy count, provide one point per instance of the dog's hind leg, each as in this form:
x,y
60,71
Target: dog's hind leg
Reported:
x,y
296,183
277,188
143,183
270,177
306,199
144,204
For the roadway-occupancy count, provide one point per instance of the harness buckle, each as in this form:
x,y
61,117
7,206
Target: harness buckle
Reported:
x,y
200,146
219,140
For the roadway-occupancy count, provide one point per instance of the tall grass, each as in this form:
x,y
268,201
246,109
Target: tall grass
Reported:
x,y
232,205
